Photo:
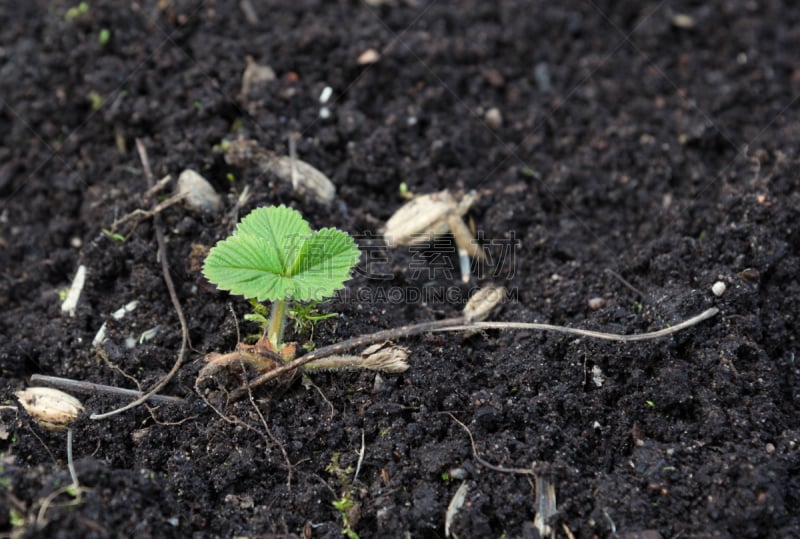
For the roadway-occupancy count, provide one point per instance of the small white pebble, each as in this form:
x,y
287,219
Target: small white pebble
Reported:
x,y
200,194
596,303
598,378
76,242
325,95
684,21
74,294
718,288
369,56
493,118
324,113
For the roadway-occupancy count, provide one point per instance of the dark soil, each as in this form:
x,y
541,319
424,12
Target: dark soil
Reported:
x,y
633,140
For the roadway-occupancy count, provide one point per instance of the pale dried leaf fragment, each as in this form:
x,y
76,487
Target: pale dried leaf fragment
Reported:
x,y
384,357
52,409
425,216
305,179
255,75
483,302
309,180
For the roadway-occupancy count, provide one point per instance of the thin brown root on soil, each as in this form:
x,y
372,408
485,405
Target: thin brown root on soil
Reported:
x,y
289,467
460,324
162,256
705,315
484,462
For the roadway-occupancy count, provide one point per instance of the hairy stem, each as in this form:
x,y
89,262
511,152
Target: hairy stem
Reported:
x,y
277,323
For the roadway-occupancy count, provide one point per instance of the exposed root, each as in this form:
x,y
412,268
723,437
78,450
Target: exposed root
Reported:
x,y
162,255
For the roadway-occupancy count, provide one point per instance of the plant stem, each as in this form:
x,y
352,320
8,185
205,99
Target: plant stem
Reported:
x,y
362,340
277,322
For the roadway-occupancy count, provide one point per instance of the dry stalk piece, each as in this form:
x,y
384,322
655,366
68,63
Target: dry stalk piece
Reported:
x,y
71,301
98,389
546,505
305,179
455,504
428,216
52,409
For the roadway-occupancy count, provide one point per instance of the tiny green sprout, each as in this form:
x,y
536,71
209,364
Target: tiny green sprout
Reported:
x,y
273,255
307,316
650,404
104,37
345,503
405,192
668,469
62,294
446,476
75,12
16,519
114,236
96,100
230,177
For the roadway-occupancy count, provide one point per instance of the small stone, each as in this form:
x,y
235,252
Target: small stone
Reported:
x,y
494,78
596,303
598,378
458,473
369,56
493,118
681,20
541,73
200,194
718,288
325,95
770,448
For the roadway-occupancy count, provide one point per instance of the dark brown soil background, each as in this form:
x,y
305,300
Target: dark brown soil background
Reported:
x,y
661,147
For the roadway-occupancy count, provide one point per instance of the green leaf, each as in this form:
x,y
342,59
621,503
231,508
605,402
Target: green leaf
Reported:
x,y
274,254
